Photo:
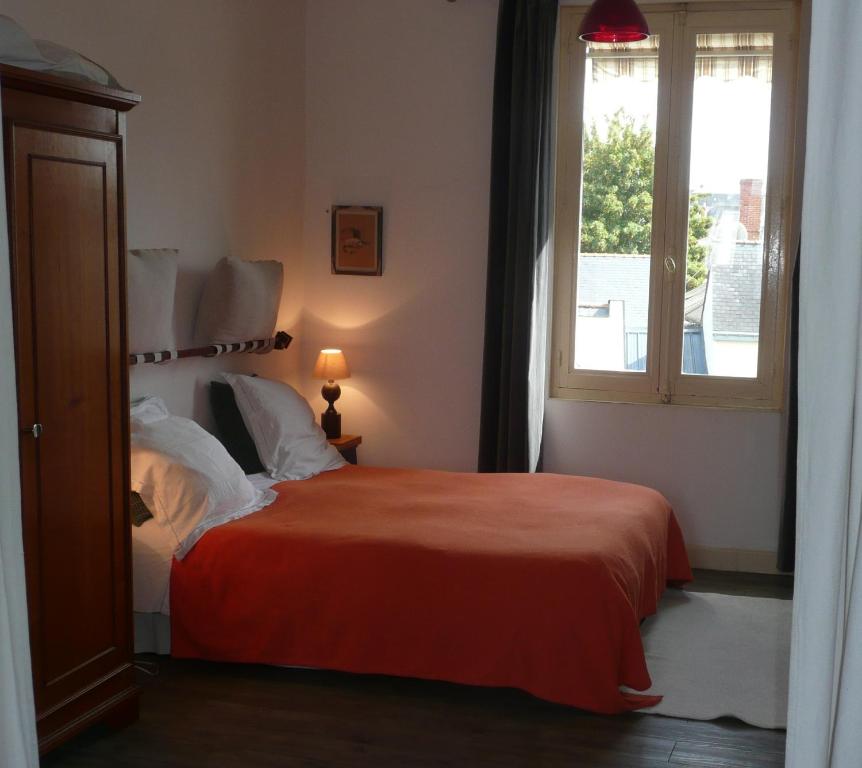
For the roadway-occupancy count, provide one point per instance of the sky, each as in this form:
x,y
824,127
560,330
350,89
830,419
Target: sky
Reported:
x,y
730,124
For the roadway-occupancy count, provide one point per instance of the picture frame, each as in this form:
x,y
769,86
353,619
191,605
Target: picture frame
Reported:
x,y
357,240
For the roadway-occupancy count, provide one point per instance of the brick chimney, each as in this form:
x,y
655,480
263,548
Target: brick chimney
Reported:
x,y
751,207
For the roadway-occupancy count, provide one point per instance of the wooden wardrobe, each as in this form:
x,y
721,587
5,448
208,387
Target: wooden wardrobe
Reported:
x,y
64,150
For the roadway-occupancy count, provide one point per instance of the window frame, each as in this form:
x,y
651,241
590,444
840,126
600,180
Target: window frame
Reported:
x,y
663,381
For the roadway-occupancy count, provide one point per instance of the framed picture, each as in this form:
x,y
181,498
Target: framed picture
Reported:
x,y
357,240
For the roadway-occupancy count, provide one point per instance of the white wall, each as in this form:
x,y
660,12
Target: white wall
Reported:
x,y
720,469
398,114
215,149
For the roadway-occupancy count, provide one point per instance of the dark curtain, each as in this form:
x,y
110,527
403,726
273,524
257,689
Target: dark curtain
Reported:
x,y
787,532
520,223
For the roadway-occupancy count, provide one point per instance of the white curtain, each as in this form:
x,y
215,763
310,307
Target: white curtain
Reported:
x,y
17,726
825,717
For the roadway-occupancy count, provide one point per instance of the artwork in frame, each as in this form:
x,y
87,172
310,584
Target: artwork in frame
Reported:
x,y
357,240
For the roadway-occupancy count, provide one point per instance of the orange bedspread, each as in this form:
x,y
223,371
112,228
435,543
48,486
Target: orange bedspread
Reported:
x,y
532,581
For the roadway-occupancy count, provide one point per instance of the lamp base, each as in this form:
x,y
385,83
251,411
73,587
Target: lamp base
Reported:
x,y
331,423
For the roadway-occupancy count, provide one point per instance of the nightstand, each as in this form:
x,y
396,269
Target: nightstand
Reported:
x,y
347,445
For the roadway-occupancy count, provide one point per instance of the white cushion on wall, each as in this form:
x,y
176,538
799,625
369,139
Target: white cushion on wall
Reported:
x,y
289,441
152,284
240,302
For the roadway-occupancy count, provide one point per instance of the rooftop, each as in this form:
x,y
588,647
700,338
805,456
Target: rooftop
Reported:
x,y
616,276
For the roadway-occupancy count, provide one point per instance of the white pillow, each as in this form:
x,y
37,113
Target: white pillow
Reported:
x,y
289,442
152,285
188,480
65,61
17,47
240,302
147,409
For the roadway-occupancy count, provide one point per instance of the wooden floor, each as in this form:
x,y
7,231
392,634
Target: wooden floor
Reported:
x,y
196,714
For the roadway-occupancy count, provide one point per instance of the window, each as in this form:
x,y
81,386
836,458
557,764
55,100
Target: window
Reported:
x,y
674,179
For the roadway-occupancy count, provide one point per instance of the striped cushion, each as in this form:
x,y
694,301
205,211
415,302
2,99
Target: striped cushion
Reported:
x,y
231,428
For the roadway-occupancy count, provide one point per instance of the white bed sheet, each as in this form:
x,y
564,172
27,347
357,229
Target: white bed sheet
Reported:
x,y
153,549
152,552
262,481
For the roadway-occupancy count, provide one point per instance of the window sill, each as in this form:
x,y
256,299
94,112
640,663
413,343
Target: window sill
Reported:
x,y
651,398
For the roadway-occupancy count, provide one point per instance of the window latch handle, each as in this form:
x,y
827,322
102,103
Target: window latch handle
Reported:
x,y
670,265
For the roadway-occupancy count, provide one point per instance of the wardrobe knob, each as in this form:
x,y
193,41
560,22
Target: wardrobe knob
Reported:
x,y
35,430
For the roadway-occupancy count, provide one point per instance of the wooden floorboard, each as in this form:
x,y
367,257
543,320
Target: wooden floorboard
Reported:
x,y
748,584
196,714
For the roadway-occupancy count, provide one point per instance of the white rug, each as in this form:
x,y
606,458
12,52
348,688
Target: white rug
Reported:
x,y
715,655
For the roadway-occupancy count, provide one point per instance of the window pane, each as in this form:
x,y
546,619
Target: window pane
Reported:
x,y
620,104
727,204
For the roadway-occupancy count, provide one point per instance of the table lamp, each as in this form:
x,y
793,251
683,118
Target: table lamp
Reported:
x,y
330,366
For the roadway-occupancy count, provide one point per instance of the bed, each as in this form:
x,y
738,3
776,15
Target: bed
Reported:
x,y
153,549
537,582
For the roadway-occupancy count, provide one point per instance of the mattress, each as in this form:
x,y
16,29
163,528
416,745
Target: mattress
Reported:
x,y
537,582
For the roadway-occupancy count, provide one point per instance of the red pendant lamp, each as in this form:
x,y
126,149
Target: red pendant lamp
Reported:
x,y
614,21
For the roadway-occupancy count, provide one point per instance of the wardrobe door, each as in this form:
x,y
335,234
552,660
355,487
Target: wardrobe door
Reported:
x,y
65,194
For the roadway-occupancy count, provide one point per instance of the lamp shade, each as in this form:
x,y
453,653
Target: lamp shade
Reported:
x,y
331,365
614,21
